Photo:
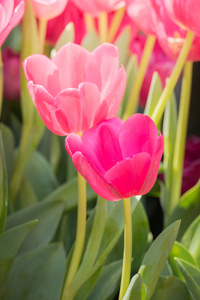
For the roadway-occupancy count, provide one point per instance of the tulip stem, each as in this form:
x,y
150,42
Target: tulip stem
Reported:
x,y
116,21
132,103
80,232
127,257
103,27
170,85
1,82
179,149
89,22
42,34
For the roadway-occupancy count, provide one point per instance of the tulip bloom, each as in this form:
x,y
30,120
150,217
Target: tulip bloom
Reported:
x,y
96,7
186,14
78,88
48,9
11,13
11,74
118,159
142,14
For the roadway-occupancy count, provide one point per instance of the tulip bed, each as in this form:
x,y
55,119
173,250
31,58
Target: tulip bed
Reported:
x,y
99,186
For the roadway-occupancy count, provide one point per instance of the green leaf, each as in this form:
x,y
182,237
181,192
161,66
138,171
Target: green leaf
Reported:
x,y
122,43
156,257
169,287
68,193
37,274
169,134
155,92
190,232
26,195
48,214
179,251
10,242
8,145
137,289
3,187
195,245
188,209
90,40
190,275
66,36
40,175
108,279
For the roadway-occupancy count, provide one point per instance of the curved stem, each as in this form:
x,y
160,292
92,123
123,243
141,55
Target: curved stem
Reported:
x,y
89,22
103,27
126,269
134,95
1,82
42,34
116,21
179,149
80,232
157,114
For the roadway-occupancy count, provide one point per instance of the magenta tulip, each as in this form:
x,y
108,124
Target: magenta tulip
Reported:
x,y
48,9
118,159
170,36
96,7
185,13
78,88
142,14
11,13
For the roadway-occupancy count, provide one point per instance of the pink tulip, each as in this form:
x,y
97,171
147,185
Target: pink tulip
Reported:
x,y
56,25
142,14
48,9
170,36
159,62
11,13
96,7
78,88
11,74
185,13
118,159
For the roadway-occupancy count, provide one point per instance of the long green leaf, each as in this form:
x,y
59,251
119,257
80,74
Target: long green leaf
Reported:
x,y
3,187
137,289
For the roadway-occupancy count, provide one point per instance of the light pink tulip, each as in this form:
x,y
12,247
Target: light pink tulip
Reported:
x,y
118,159
48,9
96,7
78,88
142,14
11,12
185,13
170,36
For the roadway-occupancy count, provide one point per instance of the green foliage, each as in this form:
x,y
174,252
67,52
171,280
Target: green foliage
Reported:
x,y
137,289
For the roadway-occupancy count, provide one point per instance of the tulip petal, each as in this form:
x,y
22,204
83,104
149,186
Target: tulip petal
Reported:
x,y
139,134
94,178
71,60
128,175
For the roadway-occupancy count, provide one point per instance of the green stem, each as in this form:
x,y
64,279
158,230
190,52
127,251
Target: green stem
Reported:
x,y
181,133
116,21
132,103
170,85
1,82
80,233
126,269
42,34
103,27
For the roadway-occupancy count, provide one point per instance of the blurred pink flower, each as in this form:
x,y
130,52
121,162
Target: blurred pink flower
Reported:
x,y
11,74
56,25
170,36
78,88
142,14
118,159
159,62
48,9
191,170
184,13
96,7
11,13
